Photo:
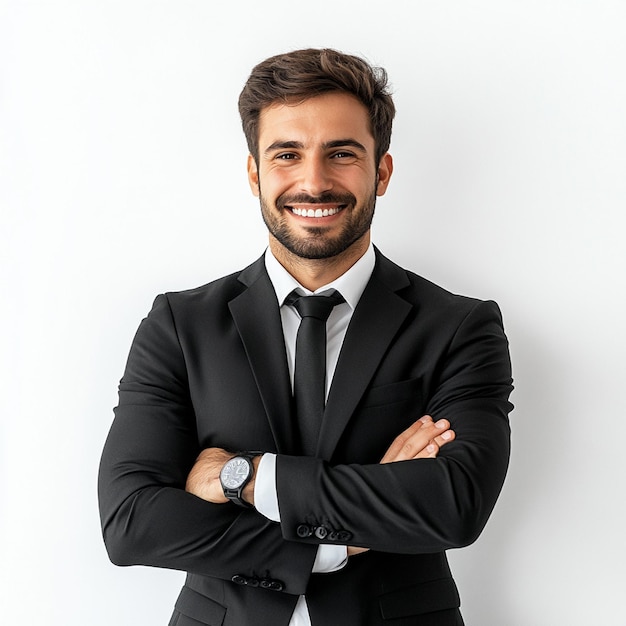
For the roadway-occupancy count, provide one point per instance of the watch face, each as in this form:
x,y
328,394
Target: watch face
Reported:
x,y
235,472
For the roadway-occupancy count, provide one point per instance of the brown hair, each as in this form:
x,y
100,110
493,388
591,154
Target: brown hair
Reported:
x,y
302,74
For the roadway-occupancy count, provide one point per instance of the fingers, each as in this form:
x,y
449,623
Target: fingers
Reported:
x,y
422,440
396,446
352,550
432,449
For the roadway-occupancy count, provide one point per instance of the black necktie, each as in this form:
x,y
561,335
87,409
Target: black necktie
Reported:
x,y
310,369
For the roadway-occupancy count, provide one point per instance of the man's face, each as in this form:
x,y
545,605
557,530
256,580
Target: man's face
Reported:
x,y
316,178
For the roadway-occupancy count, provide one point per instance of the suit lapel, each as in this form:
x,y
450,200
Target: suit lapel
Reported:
x,y
257,318
376,321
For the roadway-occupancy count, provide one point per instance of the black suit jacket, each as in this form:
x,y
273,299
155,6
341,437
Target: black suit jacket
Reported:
x,y
208,368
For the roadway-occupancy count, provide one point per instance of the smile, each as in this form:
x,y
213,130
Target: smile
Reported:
x,y
326,212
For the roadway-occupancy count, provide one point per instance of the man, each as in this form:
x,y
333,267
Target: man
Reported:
x,y
213,465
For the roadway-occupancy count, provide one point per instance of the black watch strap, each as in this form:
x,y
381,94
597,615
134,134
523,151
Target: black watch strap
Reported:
x,y
235,496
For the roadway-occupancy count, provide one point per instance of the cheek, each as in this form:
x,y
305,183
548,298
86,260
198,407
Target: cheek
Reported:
x,y
275,182
360,181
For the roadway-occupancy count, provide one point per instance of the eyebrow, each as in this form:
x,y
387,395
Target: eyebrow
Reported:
x,y
298,145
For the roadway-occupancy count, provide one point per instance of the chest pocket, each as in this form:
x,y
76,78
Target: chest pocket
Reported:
x,y
393,393
383,413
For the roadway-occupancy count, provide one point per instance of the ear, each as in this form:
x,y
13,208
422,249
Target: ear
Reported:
x,y
385,169
253,176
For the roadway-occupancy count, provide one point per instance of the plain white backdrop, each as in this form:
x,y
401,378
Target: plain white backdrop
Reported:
x,y
122,175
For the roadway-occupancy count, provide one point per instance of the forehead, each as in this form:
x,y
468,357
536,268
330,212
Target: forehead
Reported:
x,y
321,118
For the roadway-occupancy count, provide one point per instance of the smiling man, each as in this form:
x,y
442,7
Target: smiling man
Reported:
x,y
307,437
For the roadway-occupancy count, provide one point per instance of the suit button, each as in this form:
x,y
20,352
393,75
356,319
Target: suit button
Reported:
x,y
304,531
344,536
252,582
321,532
239,579
272,585
333,536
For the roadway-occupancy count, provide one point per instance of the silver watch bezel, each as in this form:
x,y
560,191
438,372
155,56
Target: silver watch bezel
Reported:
x,y
231,480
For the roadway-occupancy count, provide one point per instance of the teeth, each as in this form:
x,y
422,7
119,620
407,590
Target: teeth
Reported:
x,y
315,212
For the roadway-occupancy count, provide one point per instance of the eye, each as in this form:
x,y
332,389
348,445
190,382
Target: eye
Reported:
x,y
343,154
286,156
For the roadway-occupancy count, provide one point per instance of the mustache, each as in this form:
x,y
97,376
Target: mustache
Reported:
x,y
324,198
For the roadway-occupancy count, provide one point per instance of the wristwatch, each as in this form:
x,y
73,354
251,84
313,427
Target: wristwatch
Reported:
x,y
235,475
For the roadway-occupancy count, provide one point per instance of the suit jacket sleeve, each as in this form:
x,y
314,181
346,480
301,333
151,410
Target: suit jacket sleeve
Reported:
x,y
147,517
424,505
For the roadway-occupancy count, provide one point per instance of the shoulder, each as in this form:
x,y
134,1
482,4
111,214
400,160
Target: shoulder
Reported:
x,y
220,290
428,298
208,300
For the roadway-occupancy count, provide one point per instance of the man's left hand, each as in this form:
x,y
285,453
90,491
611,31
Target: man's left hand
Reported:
x,y
204,478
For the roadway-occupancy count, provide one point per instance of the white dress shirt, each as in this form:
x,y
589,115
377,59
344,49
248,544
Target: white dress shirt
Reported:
x,y
351,286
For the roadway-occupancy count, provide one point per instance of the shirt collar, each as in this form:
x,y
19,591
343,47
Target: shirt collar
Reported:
x,y
350,284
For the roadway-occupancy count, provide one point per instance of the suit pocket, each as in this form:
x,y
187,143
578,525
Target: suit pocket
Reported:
x,y
394,393
383,413
194,609
428,597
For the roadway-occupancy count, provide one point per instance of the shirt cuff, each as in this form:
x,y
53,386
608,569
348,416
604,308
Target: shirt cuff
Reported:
x,y
265,495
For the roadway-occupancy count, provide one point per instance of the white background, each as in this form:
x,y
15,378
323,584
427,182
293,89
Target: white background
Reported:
x,y
123,175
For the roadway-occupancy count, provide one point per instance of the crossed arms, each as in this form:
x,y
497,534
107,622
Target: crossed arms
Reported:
x,y
422,440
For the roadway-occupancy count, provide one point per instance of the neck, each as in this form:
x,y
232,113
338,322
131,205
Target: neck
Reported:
x,y
314,273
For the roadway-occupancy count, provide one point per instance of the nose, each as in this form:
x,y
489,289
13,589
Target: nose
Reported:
x,y
315,176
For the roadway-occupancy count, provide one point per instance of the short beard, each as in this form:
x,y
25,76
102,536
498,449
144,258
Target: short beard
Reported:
x,y
316,245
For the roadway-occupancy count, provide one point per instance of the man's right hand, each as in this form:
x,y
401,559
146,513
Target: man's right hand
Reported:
x,y
421,440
